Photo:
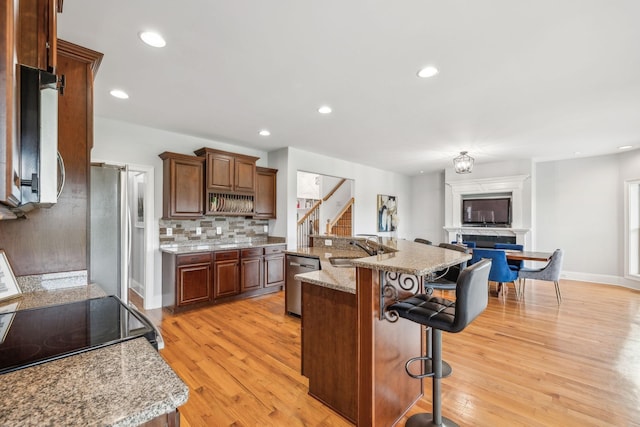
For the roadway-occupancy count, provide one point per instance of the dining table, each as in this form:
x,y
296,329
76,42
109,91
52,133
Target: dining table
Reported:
x,y
528,255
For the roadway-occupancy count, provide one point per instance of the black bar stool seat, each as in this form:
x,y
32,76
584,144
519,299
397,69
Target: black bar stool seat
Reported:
x,y
441,314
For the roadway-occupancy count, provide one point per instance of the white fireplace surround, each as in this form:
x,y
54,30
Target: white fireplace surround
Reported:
x,y
487,186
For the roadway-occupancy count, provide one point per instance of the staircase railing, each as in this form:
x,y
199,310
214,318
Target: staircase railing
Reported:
x,y
341,224
309,224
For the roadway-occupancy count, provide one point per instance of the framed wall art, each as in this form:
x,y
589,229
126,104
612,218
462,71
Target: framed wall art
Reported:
x,y
8,284
387,213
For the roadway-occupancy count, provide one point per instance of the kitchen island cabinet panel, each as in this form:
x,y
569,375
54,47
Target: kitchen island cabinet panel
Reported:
x,y
330,347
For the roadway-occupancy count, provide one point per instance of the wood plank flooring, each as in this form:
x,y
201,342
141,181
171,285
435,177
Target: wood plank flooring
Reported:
x,y
528,363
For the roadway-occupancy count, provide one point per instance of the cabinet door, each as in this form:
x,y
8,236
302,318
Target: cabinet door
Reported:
x,y
38,34
220,172
245,175
265,200
274,270
9,142
194,283
226,278
183,192
251,273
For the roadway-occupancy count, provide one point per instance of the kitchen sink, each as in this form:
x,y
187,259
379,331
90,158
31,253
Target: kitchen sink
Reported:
x,y
341,261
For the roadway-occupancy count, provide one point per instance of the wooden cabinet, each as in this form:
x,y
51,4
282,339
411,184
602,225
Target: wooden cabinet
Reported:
x,y
37,45
230,181
9,142
187,279
226,279
229,172
56,239
193,278
251,269
182,186
274,266
265,198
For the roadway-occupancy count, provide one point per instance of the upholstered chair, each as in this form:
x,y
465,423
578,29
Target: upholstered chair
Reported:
x,y
500,271
550,272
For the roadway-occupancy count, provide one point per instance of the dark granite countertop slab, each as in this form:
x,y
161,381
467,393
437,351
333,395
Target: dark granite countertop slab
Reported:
x,y
123,384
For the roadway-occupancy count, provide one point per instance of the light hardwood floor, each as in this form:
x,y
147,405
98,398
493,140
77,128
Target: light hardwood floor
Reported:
x,y
528,363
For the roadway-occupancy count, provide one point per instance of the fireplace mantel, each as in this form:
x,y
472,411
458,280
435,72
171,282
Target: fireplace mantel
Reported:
x,y
506,184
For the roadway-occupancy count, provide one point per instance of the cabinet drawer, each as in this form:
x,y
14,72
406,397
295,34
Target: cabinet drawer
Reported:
x,y
219,256
193,258
252,252
269,250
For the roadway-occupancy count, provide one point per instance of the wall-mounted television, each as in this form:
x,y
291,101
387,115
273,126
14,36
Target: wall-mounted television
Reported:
x,y
487,212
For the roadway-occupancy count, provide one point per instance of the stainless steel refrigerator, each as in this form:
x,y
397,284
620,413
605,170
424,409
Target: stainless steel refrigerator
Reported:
x,y
110,230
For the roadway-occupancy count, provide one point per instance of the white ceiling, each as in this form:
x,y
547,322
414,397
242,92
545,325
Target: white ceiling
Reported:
x,y
539,79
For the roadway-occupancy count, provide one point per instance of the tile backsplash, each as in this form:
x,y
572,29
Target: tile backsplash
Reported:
x,y
233,229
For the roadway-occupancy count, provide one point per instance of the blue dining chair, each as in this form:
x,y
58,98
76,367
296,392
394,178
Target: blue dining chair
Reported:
x,y
514,264
500,271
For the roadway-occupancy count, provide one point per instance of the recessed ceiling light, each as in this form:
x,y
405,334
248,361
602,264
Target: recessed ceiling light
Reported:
x,y
427,72
120,94
577,153
152,39
265,132
625,147
325,109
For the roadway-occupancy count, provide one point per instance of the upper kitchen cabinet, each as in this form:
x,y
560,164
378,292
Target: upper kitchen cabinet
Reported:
x,y
265,200
55,239
37,45
9,143
229,172
182,195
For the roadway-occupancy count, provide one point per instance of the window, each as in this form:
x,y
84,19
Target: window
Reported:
x,y
632,235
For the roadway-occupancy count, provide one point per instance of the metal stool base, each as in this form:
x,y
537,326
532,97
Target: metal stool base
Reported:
x,y
426,420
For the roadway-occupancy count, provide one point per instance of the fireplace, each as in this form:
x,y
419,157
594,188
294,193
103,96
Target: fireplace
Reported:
x,y
486,236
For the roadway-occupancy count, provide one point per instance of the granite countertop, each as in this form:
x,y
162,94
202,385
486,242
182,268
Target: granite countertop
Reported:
x,y
338,278
124,384
402,257
186,248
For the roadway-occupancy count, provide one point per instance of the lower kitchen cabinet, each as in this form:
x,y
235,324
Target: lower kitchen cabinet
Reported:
x,y
186,279
196,279
226,281
251,269
274,266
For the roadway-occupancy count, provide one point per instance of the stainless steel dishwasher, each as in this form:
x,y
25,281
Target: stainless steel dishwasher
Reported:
x,y
293,292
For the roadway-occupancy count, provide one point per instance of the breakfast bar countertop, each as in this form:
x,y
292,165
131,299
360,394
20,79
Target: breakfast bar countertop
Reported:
x,y
124,384
401,256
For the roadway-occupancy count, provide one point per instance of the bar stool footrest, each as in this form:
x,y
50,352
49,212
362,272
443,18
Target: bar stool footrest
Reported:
x,y
427,368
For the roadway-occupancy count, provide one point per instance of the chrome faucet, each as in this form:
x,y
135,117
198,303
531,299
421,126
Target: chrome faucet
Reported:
x,y
367,247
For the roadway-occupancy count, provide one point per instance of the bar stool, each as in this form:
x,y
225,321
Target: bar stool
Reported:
x,y
441,314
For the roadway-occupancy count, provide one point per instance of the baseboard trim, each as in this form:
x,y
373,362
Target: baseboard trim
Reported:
x,y
601,278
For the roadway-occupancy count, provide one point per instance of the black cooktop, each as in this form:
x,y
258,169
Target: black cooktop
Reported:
x,y
33,336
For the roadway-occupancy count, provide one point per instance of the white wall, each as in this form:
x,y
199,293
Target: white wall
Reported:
x,y
368,183
427,211
580,208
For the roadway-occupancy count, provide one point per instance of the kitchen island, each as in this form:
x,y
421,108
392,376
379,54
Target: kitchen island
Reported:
x,y
353,356
125,384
